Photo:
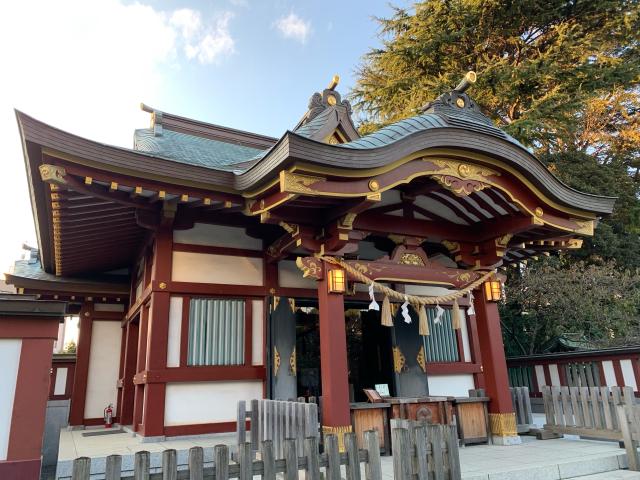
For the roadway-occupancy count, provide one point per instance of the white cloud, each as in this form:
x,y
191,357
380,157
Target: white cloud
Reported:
x,y
85,67
206,44
292,26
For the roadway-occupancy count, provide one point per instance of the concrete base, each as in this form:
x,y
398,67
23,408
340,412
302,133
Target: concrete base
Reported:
x,y
505,441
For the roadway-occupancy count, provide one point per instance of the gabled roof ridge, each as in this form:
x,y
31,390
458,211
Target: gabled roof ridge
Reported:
x,y
211,131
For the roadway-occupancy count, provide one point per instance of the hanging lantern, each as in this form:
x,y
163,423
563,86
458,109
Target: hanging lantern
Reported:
x,y
493,290
337,281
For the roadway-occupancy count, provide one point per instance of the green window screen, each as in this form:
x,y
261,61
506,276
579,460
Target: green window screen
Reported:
x,y
441,345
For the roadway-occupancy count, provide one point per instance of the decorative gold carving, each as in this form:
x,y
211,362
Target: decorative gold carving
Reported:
x,y
460,102
338,432
503,241
292,362
422,360
276,361
52,173
538,212
292,305
503,424
574,243
333,140
347,220
453,247
584,227
374,186
276,302
331,100
290,228
462,178
311,267
411,259
399,360
295,183
162,286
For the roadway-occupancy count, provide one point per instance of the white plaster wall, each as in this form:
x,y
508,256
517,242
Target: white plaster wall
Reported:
x,y
175,327
104,360
289,275
609,373
60,386
139,290
209,268
10,349
257,327
554,375
109,307
540,376
464,333
207,402
218,236
451,385
628,375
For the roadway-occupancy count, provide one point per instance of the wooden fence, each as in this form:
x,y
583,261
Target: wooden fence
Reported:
x,y
420,452
522,407
277,420
424,451
629,421
585,411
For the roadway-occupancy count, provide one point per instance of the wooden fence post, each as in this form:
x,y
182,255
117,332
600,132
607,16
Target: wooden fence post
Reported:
x,y
245,459
169,465
290,459
81,468
419,439
353,461
113,467
268,461
402,454
373,467
630,445
312,471
196,460
141,465
333,457
221,459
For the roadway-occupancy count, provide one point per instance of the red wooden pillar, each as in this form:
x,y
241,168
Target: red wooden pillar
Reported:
x,y
80,378
336,417
157,334
496,380
129,361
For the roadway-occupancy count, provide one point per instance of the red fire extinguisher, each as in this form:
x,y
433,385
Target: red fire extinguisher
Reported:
x,y
108,416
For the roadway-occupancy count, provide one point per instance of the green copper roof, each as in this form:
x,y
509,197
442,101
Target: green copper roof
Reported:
x,y
192,150
394,132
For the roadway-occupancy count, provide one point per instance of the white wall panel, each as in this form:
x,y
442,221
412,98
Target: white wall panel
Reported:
x,y
554,375
175,328
60,386
609,374
628,375
289,275
217,236
540,376
207,402
10,349
104,362
450,385
209,268
257,326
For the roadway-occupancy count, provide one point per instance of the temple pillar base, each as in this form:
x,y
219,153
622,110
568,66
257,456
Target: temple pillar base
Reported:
x,y
503,429
338,432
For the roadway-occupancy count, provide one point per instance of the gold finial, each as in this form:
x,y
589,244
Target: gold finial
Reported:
x,y
334,82
468,80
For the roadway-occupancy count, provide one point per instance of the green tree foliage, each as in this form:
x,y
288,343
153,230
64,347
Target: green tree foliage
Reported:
x,y
556,298
563,77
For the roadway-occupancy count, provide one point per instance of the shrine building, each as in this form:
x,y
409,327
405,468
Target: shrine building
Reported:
x,y
210,265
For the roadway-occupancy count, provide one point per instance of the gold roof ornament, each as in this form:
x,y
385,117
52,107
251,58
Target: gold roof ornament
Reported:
x,y
469,79
334,82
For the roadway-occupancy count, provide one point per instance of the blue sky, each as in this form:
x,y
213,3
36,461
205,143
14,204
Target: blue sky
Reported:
x,y
85,66
265,83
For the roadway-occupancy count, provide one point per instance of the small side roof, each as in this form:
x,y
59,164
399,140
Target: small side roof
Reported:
x,y
27,305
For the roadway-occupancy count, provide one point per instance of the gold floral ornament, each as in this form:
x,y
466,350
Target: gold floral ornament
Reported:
x,y
422,361
411,259
399,361
292,362
462,178
276,361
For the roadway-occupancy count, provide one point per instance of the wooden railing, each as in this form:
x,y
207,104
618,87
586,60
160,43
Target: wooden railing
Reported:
x,y
585,411
420,452
522,408
629,421
277,420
